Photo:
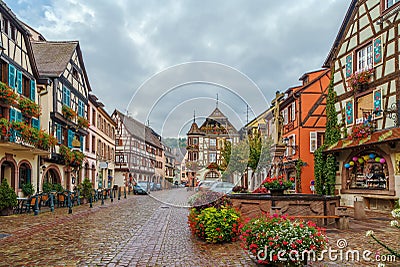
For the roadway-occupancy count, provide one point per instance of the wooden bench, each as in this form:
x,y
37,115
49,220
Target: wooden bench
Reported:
x,y
341,221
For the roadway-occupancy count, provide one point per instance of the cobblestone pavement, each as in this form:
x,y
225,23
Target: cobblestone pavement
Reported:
x,y
144,231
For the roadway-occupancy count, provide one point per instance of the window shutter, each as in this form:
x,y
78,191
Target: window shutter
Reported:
x,y
377,102
59,133
285,116
293,144
313,141
33,91
11,76
35,123
293,115
70,138
12,114
349,65
81,109
349,112
19,115
68,98
377,50
19,82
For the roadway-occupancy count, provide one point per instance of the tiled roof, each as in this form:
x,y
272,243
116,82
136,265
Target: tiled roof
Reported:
x,y
375,138
194,129
52,57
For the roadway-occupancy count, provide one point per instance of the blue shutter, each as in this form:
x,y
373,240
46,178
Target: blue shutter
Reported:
x,y
70,138
378,50
81,140
35,123
68,98
12,114
59,133
19,82
18,116
11,76
81,108
349,112
64,96
33,86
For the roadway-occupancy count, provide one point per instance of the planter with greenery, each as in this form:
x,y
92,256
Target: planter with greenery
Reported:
x,y
8,198
86,189
360,79
5,127
68,112
7,96
295,241
82,122
27,189
28,107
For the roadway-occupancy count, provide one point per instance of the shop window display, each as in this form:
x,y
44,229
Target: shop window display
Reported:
x,y
367,172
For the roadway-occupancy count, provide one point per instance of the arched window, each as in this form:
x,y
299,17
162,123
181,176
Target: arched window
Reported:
x,y
25,175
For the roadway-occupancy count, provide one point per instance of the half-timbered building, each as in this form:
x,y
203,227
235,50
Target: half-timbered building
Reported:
x,y
365,60
65,88
20,148
303,114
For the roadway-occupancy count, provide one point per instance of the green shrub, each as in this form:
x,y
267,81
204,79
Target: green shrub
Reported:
x,y
58,188
27,189
47,187
8,197
215,225
86,188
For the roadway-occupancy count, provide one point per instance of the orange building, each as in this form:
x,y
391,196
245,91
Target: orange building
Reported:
x,y
303,114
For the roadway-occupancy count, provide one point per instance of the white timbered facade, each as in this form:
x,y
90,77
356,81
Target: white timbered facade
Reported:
x,y
365,59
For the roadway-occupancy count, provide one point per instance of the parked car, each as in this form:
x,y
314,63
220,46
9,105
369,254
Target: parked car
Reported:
x,y
158,187
204,185
152,186
222,187
141,188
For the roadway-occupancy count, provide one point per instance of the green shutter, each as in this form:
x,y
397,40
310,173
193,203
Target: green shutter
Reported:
x,y
35,123
18,116
33,91
11,76
19,82
81,140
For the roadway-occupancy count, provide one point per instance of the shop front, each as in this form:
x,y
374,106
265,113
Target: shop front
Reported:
x,y
367,170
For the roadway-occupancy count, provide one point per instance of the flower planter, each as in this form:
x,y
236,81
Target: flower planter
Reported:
x,y
277,192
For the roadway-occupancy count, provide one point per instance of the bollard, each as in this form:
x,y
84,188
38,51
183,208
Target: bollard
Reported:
x,y
69,203
111,195
78,200
114,192
124,192
119,193
90,201
51,202
36,210
102,198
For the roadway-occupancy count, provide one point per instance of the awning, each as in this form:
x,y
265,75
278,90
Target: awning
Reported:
x,y
375,138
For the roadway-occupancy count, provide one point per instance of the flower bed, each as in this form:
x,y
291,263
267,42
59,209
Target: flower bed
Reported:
x,y
212,218
279,240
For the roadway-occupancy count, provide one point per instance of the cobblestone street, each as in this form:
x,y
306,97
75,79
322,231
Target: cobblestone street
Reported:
x,y
141,231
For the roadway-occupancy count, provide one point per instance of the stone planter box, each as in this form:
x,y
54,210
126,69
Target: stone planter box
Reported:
x,y
255,205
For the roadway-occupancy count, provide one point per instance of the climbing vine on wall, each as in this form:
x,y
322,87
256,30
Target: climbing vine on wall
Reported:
x,y
299,165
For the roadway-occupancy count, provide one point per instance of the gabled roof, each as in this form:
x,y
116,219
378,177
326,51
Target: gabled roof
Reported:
x,y
220,118
52,57
217,114
194,129
139,130
340,34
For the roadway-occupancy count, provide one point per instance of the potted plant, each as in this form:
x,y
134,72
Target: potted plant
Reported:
x,y
82,122
8,198
276,185
280,241
361,130
68,112
7,96
86,189
47,187
359,79
28,107
27,189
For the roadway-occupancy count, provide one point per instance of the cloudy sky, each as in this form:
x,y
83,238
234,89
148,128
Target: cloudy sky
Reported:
x,y
139,54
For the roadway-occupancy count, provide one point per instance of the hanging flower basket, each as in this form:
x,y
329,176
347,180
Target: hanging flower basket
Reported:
x,y
359,80
68,112
360,131
7,96
28,107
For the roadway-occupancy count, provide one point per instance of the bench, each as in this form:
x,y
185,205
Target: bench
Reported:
x,y
341,221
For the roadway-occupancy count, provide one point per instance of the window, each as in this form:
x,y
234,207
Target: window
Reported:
x,y
364,58
212,157
285,116
195,141
390,3
293,112
94,117
24,175
316,140
93,144
75,73
59,133
213,142
66,99
87,143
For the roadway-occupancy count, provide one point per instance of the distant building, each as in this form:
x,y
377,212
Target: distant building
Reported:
x,y
204,146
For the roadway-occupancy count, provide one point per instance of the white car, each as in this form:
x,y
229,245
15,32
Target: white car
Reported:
x,y
222,187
